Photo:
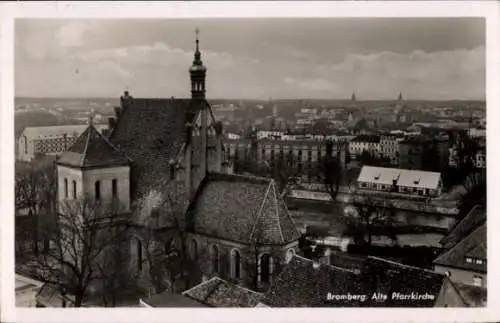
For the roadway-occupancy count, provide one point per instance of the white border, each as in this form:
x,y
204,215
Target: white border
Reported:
x,y
10,11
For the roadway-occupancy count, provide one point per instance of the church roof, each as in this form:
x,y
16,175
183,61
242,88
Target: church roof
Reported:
x,y
151,132
245,209
302,284
92,149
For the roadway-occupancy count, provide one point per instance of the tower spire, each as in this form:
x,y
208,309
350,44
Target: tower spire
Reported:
x,y
198,72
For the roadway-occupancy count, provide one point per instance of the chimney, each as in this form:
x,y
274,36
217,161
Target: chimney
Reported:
x,y
218,145
187,159
111,123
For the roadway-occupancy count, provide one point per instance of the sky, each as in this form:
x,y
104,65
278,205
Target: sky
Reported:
x,y
280,58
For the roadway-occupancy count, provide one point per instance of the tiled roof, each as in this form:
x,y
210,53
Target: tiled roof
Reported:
x,y
150,132
242,208
92,149
403,177
473,219
217,292
473,246
300,284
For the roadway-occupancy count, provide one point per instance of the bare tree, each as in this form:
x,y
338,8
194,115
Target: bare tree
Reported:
x,y
85,231
165,229
35,192
371,216
330,169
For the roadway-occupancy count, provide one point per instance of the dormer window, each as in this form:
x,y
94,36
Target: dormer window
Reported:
x,y
468,260
416,181
377,177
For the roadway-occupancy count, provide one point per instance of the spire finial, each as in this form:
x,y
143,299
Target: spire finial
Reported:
x,y
91,117
197,31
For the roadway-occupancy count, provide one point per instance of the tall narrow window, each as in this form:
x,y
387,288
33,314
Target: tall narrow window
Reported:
x,y
66,188
74,189
97,190
114,188
235,263
139,255
25,145
265,268
215,258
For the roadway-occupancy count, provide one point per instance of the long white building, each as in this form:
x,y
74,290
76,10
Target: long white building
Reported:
x,y
397,180
48,140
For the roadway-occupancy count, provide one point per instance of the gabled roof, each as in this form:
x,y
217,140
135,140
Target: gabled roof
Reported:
x,y
403,177
472,246
473,219
217,292
246,209
151,132
92,149
301,284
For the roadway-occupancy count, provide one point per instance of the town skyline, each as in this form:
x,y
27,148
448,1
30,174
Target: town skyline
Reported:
x,y
278,59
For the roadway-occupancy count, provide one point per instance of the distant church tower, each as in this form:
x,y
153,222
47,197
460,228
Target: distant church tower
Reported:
x,y
400,97
198,73
353,96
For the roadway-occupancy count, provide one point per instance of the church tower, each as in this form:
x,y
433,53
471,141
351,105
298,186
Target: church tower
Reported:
x,y
93,168
198,73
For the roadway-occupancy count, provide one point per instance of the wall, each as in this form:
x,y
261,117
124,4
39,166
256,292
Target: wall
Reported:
x,y
71,174
461,276
105,176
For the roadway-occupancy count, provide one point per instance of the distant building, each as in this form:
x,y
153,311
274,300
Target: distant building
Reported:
x,y
400,181
389,147
412,152
50,140
369,143
303,153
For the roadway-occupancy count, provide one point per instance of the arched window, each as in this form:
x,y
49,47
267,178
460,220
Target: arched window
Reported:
x,y
265,268
97,190
114,188
215,258
235,264
74,189
66,188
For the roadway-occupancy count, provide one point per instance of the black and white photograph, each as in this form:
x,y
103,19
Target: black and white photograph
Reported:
x,y
254,162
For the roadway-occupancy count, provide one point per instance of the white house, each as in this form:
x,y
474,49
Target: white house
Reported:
x,y
400,180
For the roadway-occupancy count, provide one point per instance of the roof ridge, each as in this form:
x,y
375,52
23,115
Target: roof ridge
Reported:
x,y
260,212
277,211
110,144
461,242
405,266
84,153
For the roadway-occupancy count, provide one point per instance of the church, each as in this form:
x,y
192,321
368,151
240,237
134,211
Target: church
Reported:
x,y
163,162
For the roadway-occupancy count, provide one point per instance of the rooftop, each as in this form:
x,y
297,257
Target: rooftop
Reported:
x,y
217,292
58,131
472,246
473,219
92,149
304,284
262,216
403,177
